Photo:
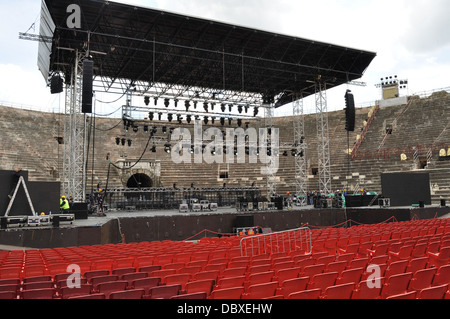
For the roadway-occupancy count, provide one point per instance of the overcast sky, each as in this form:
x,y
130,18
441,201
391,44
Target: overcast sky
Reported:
x,y
411,39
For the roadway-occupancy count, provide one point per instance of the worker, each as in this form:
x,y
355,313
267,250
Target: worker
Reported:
x,y
64,205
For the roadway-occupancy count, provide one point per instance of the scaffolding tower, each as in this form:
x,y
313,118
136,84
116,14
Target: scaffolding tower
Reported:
x,y
299,150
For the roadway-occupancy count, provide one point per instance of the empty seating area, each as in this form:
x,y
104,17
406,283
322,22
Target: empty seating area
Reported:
x,y
385,261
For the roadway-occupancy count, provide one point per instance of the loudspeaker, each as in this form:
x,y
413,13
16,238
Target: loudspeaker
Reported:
x,y
88,78
350,112
56,84
55,221
3,223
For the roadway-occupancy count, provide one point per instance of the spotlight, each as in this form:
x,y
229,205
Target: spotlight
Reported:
x,y
223,107
164,130
205,120
167,148
189,119
285,153
230,108
135,129
160,116
151,116
166,102
213,119
205,107
192,149
176,102
212,106
239,121
213,151
246,109
229,121
129,143
222,121
146,128
179,119
154,130
294,153
240,109
156,101
195,105
123,141
255,111
170,117
118,140
146,100
187,104
153,149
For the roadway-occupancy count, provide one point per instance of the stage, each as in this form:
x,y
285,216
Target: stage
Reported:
x,y
173,225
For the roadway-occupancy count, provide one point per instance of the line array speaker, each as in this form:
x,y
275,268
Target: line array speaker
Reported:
x,y
88,78
350,112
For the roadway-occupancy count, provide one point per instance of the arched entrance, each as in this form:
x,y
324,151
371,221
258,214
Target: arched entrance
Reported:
x,y
139,181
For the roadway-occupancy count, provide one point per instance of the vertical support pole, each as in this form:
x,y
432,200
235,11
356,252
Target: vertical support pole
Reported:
x,y
271,176
74,177
300,146
323,139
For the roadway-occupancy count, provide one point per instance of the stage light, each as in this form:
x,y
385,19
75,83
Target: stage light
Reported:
x,y
239,121
285,153
205,107
255,111
146,100
135,129
118,140
213,151
129,143
192,150
230,107
123,141
166,102
230,120
222,121
240,109
236,151
179,119
189,119
205,120
187,104
225,150
246,109
153,149
176,102
170,117
160,116
146,128
151,116
212,106
195,105
213,119
223,107
164,130
156,101
294,153
167,148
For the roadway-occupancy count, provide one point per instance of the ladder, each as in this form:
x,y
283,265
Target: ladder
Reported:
x,y
11,202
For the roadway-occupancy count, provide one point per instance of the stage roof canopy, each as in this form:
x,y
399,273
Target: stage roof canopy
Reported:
x,y
144,45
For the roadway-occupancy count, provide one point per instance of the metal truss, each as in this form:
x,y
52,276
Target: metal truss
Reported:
x,y
300,151
323,139
271,177
74,177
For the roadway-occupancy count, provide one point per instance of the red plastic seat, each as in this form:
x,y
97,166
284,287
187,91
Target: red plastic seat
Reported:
x,y
396,285
234,272
128,294
343,291
261,291
95,273
310,271
420,250
442,276
107,288
90,297
286,274
337,266
229,293
122,271
422,279
395,268
441,258
307,294
145,283
67,293
164,292
293,285
405,295
437,292
200,286
368,289
259,278
204,275
350,276
38,285
38,294
8,295
101,279
402,254
323,281
181,279
192,296
417,264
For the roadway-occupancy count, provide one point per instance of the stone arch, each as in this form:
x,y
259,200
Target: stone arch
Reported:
x,y
139,180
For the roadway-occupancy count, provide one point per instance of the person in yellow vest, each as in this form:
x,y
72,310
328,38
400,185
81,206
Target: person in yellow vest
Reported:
x,y
64,205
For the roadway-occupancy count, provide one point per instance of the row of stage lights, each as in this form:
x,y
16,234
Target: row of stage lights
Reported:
x,y
187,104
193,150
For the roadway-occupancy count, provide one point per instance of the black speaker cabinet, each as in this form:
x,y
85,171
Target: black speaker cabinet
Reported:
x,y
350,112
80,210
88,78
244,221
55,221
56,84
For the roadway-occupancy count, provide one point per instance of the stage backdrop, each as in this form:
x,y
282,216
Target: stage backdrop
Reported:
x,y
406,189
44,196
